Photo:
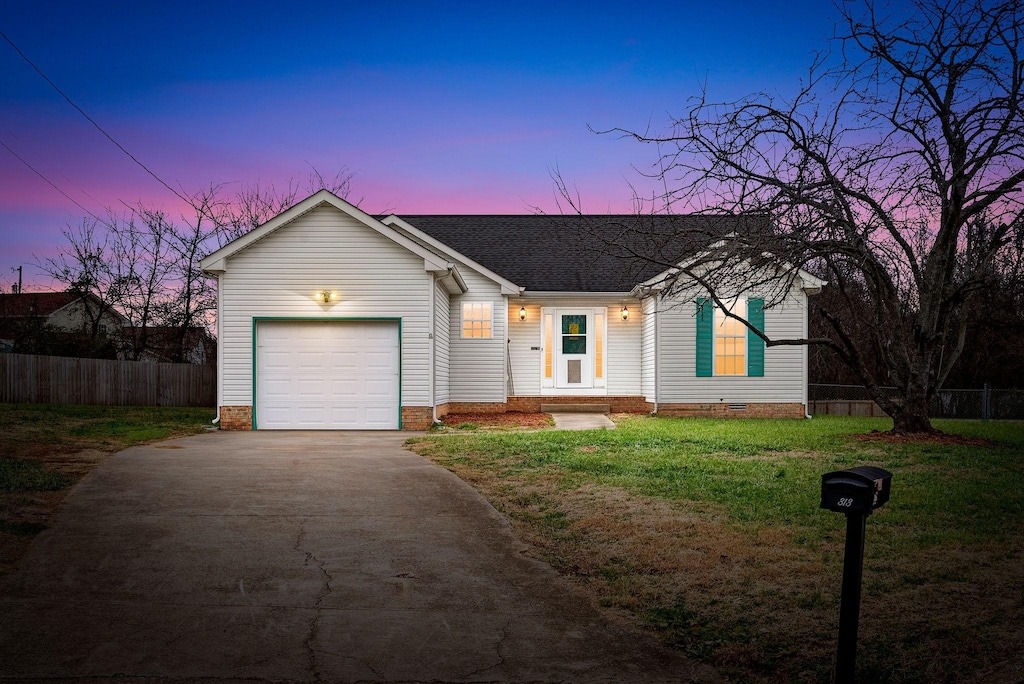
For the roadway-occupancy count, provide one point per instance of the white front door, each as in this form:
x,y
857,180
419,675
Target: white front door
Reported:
x,y
574,349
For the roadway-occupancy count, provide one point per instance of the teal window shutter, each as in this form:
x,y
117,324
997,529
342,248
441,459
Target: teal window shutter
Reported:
x,y
755,345
705,337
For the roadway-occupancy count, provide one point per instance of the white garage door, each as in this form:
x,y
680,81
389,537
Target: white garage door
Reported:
x,y
332,375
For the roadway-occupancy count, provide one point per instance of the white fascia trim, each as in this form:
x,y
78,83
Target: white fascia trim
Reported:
x,y
218,260
507,286
451,280
809,283
555,294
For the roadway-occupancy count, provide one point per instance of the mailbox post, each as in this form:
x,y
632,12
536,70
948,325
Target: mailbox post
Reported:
x,y
856,492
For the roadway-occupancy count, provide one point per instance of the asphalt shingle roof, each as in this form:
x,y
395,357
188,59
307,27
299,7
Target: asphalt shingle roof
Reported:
x,y
590,253
34,303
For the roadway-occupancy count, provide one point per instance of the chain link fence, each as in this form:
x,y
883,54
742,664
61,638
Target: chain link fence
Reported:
x,y
983,404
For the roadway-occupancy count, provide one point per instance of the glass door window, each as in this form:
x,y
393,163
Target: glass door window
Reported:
x,y
574,349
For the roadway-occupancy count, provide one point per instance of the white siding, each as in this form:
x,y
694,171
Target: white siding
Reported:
x,y
622,347
441,344
525,348
648,347
623,350
783,379
370,276
477,366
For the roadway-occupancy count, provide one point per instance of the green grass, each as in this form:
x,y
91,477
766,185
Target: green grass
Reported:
x,y
115,427
31,435
769,472
954,527
29,476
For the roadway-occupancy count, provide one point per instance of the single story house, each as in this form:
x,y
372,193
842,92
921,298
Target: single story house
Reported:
x,y
330,318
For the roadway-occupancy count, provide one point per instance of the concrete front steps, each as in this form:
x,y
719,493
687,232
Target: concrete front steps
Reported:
x,y
575,408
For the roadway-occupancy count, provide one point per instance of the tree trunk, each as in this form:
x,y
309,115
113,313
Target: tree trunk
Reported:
x,y
911,416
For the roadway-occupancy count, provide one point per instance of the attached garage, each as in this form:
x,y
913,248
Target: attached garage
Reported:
x,y
327,374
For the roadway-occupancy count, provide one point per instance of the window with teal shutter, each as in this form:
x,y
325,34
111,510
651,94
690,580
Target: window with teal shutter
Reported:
x,y
755,345
705,337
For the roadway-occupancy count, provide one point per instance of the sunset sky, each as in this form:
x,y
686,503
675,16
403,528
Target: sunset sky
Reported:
x,y
464,109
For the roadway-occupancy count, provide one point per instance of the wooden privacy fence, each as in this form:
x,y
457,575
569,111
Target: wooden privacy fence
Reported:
x,y
60,380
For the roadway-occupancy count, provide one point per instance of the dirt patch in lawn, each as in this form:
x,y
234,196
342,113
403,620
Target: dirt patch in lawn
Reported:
x,y
512,420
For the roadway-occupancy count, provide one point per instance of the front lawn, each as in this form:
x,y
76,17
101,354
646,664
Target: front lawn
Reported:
x,y
709,532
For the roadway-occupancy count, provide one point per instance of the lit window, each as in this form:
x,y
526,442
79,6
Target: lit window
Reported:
x,y
476,319
548,347
731,340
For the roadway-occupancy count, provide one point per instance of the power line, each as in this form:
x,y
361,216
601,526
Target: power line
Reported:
x,y
51,183
93,122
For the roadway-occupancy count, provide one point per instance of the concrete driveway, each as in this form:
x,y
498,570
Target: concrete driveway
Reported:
x,y
300,556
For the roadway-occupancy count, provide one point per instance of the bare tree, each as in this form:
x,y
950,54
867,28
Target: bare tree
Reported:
x,y
82,266
896,173
254,205
146,265
140,251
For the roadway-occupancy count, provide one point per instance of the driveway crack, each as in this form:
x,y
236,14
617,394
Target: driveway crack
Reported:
x,y
325,590
498,647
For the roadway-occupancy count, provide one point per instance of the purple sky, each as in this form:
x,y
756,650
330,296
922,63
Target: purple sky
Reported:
x,y
466,109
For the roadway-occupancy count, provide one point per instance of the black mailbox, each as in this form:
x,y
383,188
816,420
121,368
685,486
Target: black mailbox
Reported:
x,y
855,490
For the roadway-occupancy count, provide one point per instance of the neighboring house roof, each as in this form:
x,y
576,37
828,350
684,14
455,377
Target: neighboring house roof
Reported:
x,y
589,253
34,303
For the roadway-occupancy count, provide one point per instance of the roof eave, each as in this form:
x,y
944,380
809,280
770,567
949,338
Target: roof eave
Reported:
x,y
507,286
217,262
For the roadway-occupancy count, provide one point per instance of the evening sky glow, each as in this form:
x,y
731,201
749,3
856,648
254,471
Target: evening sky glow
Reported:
x,y
464,109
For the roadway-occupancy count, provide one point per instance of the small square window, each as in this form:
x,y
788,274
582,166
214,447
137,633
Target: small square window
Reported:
x,y
477,319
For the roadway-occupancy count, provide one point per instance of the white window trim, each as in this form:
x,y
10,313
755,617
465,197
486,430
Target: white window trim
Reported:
x,y
715,336
463,320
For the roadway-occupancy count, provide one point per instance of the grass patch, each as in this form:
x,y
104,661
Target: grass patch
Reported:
x,y
93,427
28,476
709,532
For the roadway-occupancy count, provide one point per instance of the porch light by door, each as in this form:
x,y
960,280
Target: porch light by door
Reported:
x,y
522,313
625,313
325,296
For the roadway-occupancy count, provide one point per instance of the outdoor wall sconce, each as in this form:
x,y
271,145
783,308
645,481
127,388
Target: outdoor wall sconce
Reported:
x,y
325,296
625,313
522,313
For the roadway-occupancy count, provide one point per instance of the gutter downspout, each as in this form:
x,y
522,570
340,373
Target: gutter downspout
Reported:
x,y
432,338
220,352
657,352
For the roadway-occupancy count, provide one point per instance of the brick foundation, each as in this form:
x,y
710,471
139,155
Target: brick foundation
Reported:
x,y
478,407
236,417
618,404
421,417
417,417
722,410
